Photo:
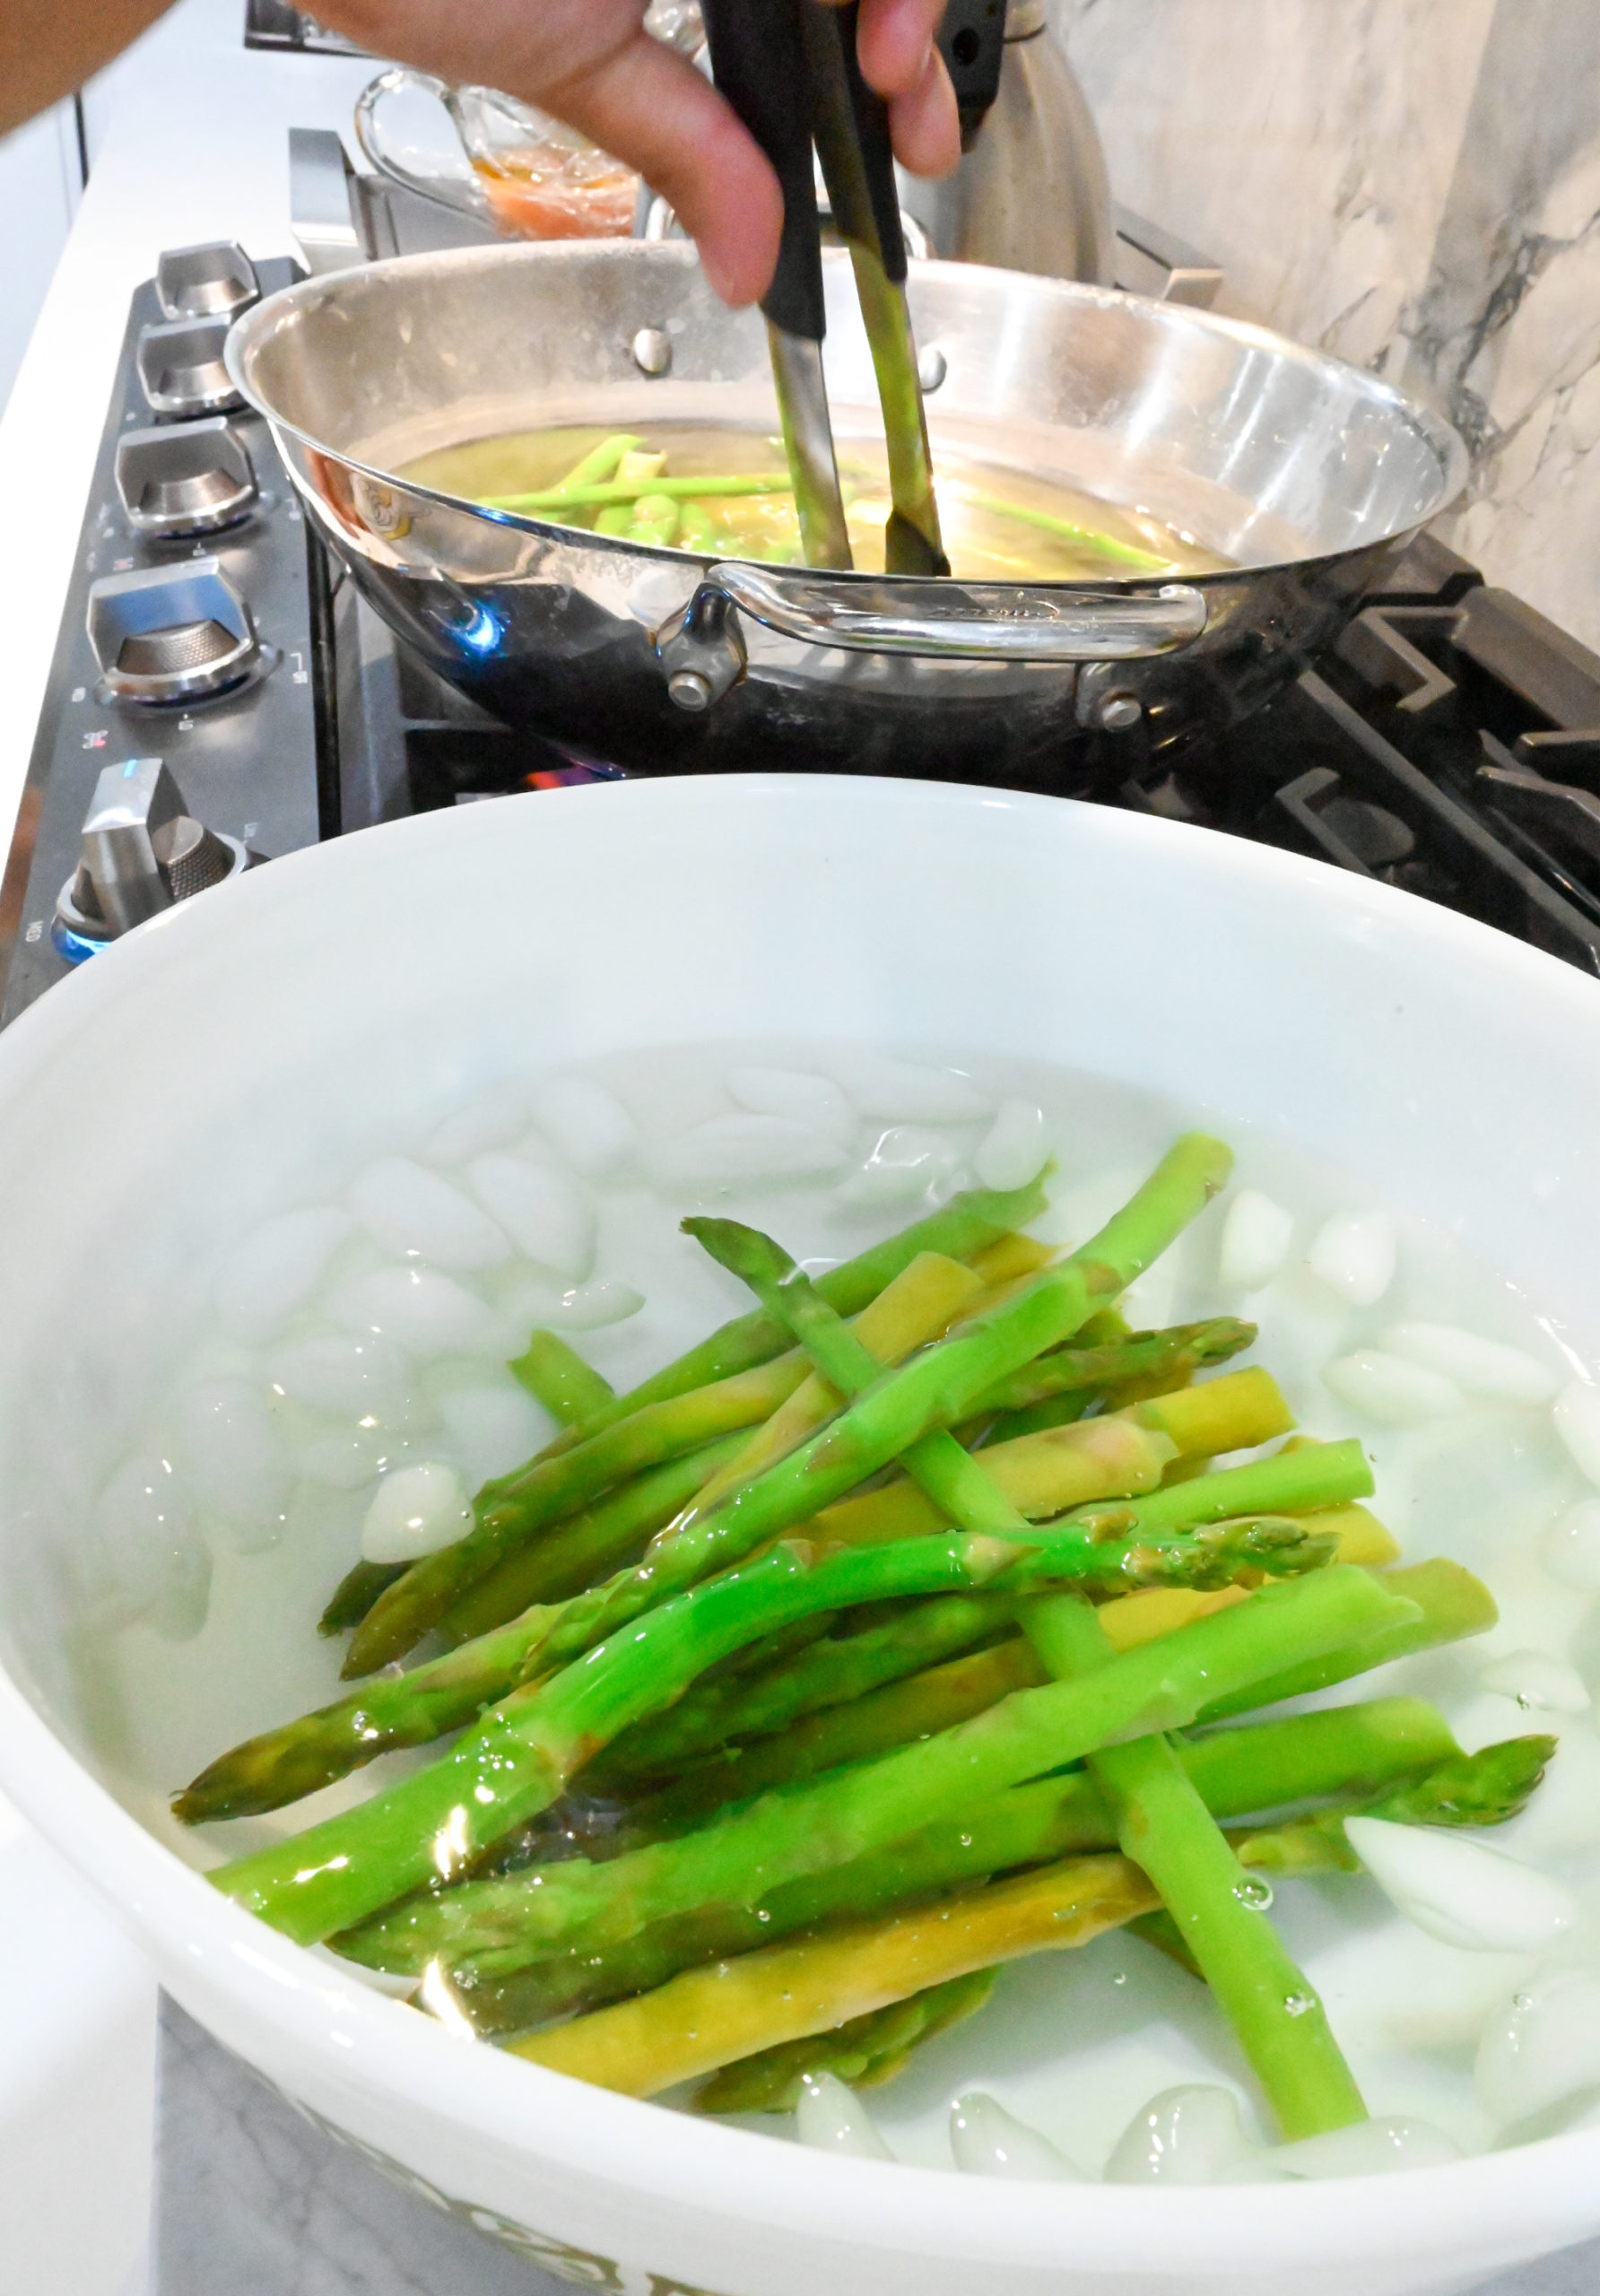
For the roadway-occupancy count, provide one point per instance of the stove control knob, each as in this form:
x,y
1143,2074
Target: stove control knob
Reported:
x,y
216,279
188,479
181,368
173,633
142,852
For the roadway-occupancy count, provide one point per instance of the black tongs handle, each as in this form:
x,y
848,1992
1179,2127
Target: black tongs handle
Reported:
x,y
865,198
758,57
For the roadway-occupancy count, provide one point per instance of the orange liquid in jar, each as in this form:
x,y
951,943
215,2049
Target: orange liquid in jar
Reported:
x,y
548,191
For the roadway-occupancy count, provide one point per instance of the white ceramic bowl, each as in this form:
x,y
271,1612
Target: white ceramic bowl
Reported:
x,y
1457,1070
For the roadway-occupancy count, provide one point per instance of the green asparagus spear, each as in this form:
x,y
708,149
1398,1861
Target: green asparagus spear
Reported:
x,y
968,1226
655,519
599,464
503,1925
569,1554
971,1223
556,1376
411,1710
1450,1605
1350,1750
866,2051
1169,1355
931,1391
706,2018
1162,1822
1164,1827
708,487
829,1672
768,2000
356,1593
1092,538
1481,1789
873,1724
508,1511
282,1764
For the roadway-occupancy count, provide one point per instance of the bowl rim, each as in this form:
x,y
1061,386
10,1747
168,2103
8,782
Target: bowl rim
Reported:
x,y
1502,2206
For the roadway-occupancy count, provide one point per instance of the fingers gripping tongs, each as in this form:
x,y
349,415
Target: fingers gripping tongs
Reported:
x,y
789,69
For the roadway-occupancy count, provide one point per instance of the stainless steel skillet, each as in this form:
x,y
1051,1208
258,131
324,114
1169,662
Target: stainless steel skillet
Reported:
x,y
1309,475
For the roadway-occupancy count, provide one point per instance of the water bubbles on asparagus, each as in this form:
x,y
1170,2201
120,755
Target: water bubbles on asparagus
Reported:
x,y
1253,1891
1299,2004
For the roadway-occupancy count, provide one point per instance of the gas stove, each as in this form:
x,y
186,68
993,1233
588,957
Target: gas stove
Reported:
x,y
220,696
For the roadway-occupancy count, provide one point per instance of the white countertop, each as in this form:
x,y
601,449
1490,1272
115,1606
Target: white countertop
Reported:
x,y
196,148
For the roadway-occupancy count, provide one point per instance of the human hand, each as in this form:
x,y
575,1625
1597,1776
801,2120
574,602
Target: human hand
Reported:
x,y
591,64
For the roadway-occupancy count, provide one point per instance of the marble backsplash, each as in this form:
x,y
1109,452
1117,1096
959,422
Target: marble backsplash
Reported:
x,y
1413,185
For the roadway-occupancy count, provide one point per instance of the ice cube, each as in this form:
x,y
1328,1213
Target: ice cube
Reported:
x,y
145,1559
358,1377
1543,2048
1573,1549
799,1094
419,1213
493,1120
1389,1388
419,1309
493,1429
550,1216
262,1281
414,1510
1257,1235
589,1125
1014,1149
1367,2148
832,2118
909,1092
906,1162
235,1459
1460,1891
1355,1253
1577,1415
1188,2136
988,2140
1482,1367
742,1151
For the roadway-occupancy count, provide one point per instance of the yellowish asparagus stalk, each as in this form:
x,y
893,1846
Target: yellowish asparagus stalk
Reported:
x,y
709,2017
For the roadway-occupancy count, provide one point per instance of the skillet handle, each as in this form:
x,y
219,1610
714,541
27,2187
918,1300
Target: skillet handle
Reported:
x,y
974,621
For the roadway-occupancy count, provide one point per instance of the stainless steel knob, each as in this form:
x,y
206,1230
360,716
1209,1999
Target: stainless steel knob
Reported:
x,y
172,633
193,481
142,852
215,279
181,368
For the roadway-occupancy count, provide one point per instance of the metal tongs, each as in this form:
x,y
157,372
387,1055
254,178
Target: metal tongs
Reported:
x,y
789,69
